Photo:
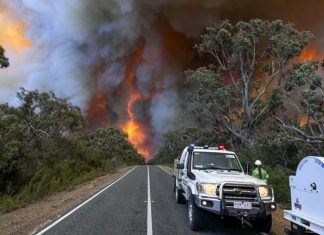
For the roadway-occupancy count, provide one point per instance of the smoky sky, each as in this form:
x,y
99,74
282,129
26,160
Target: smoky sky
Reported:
x,y
80,48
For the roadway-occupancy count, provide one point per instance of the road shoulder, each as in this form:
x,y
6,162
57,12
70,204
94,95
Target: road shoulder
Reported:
x,y
35,216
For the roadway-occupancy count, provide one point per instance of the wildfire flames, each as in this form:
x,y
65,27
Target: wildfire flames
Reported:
x,y
122,67
132,127
303,121
172,47
12,32
310,53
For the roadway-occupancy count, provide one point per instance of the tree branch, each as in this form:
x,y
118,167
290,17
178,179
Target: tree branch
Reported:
x,y
234,132
260,114
308,138
261,93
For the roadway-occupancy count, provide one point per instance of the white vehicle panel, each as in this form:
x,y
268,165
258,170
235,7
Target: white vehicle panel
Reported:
x,y
216,176
307,188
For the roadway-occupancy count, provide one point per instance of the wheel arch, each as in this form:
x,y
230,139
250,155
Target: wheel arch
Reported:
x,y
191,190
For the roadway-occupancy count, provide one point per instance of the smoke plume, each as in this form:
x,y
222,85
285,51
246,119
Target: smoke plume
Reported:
x,y
122,61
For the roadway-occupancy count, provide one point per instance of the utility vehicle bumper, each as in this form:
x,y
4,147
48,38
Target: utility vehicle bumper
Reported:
x,y
217,206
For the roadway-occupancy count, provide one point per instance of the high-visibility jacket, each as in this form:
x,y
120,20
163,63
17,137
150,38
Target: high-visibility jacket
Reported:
x,y
261,174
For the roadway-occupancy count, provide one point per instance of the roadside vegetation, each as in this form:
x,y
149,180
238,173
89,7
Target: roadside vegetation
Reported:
x,y
256,96
45,148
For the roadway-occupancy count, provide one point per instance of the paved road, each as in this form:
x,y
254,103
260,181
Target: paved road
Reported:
x,y
123,208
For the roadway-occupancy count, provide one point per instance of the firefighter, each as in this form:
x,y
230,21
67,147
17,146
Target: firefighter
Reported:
x,y
259,172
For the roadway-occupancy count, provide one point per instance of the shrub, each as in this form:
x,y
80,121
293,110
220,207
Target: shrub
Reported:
x,y
279,178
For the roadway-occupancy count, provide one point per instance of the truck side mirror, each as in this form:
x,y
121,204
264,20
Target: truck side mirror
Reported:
x,y
191,175
180,166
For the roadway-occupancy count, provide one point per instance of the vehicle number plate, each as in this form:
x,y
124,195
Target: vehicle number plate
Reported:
x,y
243,205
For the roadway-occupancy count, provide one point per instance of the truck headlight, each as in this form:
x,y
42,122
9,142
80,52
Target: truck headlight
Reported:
x,y
210,189
265,192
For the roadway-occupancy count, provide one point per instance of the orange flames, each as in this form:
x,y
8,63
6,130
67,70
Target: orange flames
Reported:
x,y
173,47
303,121
310,53
307,54
12,32
132,127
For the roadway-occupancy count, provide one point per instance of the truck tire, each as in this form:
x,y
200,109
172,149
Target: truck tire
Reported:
x,y
263,224
195,215
178,195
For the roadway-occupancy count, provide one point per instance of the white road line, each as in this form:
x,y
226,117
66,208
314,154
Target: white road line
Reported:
x,y
79,206
149,209
164,170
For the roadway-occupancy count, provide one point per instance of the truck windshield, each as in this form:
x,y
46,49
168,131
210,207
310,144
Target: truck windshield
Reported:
x,y
217,161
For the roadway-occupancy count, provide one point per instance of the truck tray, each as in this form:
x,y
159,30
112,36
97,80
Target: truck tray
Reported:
x,y
308,223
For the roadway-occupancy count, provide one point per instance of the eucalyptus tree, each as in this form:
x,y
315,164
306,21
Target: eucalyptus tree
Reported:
x,y
305,97
243,86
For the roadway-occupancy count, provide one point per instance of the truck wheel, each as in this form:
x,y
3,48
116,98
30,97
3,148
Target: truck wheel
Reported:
x,y
178,195
195,215
263,224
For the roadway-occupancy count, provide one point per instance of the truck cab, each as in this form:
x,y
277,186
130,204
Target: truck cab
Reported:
x,y
212,179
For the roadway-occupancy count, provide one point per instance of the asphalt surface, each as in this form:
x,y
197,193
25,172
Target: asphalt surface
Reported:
x,y
123,209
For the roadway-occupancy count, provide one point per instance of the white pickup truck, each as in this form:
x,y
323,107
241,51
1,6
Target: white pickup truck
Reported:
x,y
212,179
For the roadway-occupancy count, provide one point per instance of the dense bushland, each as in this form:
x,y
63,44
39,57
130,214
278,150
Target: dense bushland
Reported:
x,y
44,148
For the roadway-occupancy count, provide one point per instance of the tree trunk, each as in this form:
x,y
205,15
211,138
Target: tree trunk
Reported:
x,y
251,136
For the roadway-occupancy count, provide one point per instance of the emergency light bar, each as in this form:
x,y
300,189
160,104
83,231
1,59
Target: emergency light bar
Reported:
x,y
191,147
221,147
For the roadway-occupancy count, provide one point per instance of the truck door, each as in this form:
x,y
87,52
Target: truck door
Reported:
x,y
184,173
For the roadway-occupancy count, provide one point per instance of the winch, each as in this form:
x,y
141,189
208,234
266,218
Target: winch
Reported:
x,y
307,197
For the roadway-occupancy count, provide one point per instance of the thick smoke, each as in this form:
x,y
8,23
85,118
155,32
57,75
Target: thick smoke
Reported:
x,y
82,48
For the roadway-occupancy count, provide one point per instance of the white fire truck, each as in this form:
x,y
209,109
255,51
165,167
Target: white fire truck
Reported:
x,y
307,198
212,179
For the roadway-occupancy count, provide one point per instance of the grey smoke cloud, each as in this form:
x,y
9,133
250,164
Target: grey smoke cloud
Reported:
x,y
80,47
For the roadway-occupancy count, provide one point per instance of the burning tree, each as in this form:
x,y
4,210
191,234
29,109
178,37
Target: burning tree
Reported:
x,y
254,58
305,84
4,61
